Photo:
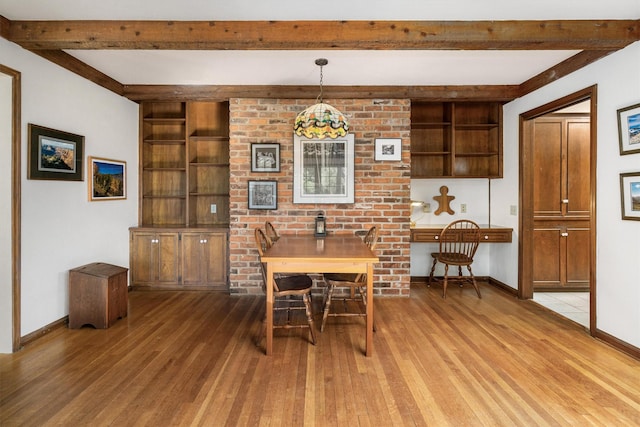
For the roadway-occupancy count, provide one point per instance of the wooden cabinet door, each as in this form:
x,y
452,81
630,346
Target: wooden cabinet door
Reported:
x,y
154,258
578,187
561,202
215,260
561,257
192,247
204,259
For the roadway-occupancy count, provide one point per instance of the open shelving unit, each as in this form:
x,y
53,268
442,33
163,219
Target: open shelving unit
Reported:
x,y
456,140
182,239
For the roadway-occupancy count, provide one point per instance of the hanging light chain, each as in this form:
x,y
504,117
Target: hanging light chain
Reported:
x,y
321,82
321,62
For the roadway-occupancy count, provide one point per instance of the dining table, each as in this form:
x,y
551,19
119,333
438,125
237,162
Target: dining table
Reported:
x,y
307,254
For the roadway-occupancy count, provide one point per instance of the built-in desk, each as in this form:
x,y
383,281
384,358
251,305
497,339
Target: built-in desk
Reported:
x,y
430,233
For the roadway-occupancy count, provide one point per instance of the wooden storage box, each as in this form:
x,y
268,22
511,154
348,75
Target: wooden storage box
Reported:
x,y
97,295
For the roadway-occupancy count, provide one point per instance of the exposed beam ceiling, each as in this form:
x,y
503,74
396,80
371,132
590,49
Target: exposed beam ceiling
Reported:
x,y
594,38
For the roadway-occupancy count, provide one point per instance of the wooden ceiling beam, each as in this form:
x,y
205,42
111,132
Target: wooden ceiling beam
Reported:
x,y
501,93
300,35
562,69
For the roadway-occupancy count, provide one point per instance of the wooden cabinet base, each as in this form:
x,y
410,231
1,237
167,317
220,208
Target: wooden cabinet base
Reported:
x,y
97,295
179,258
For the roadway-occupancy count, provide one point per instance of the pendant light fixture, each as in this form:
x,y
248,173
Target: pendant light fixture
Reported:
x,y
321,120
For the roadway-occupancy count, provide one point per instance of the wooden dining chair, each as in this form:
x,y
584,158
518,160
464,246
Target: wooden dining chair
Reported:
x,y
285,291
458,244
271,232
357,287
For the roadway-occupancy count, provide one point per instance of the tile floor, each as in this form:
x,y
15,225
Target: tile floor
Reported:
x,y
572,305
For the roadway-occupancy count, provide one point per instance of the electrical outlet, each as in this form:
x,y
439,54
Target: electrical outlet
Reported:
x,y
513,210
426,208
463,208
214,208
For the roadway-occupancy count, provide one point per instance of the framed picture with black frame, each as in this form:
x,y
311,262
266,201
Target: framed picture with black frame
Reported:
x,y
265,157
54,154
263,195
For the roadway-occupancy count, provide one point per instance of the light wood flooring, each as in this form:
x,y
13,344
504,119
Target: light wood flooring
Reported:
x,y
189,358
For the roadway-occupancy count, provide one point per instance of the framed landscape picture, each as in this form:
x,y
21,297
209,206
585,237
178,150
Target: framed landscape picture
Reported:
x,y
629,129
107,179
630,195
54,154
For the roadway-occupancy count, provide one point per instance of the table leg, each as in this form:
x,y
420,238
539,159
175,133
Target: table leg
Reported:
x,y
369,342
269,310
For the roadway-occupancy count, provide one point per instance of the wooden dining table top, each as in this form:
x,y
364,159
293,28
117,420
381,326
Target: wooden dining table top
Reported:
x,y
332,248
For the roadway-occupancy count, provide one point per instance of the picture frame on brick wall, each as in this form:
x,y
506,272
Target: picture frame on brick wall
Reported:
x,y
388,149
265,157
323,170
263,195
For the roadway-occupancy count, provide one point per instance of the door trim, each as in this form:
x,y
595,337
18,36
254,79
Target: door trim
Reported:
x,y
16,202
525,242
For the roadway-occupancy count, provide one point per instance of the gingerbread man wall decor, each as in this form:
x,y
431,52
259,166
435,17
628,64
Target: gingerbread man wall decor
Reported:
x,y
443,201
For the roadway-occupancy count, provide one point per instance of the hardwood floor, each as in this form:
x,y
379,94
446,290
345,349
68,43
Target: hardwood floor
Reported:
x,y
189,358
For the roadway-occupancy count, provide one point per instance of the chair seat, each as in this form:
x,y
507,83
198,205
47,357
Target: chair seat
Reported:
x,y
294,283
452,258
342,277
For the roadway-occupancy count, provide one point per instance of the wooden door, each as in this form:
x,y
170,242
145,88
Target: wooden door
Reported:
x,y
561,202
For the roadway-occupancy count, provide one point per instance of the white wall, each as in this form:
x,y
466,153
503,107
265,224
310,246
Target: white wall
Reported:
x,y
472,192
617,247
61,229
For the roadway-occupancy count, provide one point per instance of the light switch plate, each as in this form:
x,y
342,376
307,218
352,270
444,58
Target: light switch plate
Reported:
x,y
214,208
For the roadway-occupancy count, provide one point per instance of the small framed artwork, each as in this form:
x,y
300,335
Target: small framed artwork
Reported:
x,y
388,149
54,154
107,179
630,195
629,129
263,194
265,157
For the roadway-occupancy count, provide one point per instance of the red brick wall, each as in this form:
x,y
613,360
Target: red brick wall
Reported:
x,y
381,187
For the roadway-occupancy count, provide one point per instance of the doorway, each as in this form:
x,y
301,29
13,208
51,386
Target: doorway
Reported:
x,y
10,210
557,188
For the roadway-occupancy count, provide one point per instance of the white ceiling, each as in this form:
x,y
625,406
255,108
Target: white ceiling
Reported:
x,y
363,67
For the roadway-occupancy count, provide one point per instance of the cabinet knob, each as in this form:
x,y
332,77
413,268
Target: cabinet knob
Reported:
x,y
436,237
564,234
565,201
486,237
